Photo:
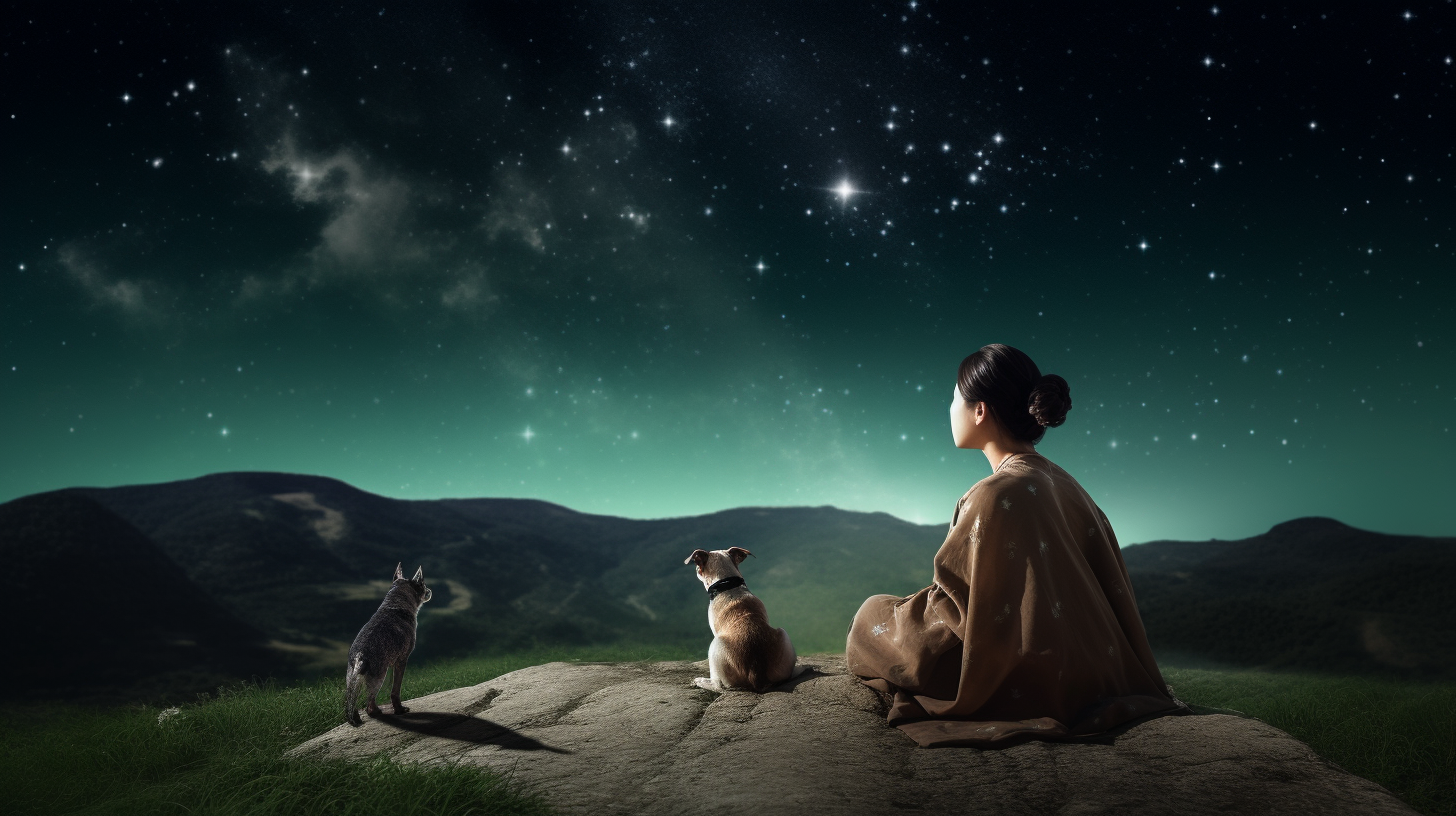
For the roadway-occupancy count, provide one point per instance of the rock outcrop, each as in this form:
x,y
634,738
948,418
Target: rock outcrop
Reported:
x,y
639,738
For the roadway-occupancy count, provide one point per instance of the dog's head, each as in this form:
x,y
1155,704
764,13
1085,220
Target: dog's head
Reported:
x,y
715,565
416,584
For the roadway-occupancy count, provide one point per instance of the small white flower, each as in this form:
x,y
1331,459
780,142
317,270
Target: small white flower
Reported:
x,y
1032,488
1006,504
879,629
168,713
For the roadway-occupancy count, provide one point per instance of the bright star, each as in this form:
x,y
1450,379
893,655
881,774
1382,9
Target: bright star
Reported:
x,y
126,97
761,266
667,122
890,125
1217,167
975,177
1143,246
528,433
1208,62
997,138
844,190
566,148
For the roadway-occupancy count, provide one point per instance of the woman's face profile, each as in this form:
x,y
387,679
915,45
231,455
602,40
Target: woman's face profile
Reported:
x,y
962,420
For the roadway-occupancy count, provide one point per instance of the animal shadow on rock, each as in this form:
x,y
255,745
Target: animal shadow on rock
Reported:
x,y
465,728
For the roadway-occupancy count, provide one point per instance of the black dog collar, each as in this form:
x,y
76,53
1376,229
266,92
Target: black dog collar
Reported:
x,y
724,585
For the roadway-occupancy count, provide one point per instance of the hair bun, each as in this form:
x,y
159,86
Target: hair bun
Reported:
x,y
1050,400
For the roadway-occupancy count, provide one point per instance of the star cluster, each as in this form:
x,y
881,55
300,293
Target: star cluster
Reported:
x,y
652,260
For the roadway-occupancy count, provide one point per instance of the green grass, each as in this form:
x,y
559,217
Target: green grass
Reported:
x,y
1399,734
224,754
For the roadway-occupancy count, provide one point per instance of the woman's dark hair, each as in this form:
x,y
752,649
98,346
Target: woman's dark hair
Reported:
x,y
1024,401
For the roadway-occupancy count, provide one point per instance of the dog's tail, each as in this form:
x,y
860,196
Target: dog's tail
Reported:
x,y
358,665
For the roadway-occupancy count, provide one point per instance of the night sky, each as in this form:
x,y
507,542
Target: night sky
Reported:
x,y
653,260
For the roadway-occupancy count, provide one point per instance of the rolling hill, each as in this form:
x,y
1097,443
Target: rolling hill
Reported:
x,y
274,574
1311,593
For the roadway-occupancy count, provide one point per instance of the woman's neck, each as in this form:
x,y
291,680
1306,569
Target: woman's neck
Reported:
x,y
998,451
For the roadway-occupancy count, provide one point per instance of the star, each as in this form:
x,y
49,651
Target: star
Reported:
x,y
527,434
1208,62
997,138
760,266
126,97
1217,167
844,190
667,122
1143,246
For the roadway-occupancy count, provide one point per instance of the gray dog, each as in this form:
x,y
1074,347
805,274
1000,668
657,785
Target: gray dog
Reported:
x,y
385,642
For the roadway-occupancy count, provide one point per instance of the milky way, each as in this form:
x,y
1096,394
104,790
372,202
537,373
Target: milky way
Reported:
x,y
653,260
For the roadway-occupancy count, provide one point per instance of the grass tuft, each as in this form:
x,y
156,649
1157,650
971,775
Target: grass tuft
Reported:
x,y
1401,735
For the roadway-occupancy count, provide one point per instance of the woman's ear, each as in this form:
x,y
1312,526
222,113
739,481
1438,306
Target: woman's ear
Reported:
x,y
980,412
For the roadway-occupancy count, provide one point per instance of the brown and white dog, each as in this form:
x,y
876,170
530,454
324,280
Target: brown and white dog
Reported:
x,y
746,652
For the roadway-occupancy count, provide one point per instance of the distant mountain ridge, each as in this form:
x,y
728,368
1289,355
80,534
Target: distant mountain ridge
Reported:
x,y
277,572
1310,593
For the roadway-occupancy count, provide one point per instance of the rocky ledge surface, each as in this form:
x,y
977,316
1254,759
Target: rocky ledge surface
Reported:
x,y
639,738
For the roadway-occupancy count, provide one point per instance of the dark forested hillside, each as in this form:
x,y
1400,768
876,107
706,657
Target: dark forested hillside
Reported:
x,y
1311,593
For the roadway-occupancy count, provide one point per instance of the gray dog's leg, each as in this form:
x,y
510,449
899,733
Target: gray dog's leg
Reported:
x,y
398,681
371,689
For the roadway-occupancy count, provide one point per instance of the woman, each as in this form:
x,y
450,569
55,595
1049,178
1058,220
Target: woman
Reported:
x,y
1030,629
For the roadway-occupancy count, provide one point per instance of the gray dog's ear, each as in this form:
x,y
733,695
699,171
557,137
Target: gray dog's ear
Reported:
x,y
738,554
419,575
698,557
399,571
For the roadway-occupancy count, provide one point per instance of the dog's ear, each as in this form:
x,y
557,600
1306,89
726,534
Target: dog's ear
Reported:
x,y
419,575
699,557
399,571
738,554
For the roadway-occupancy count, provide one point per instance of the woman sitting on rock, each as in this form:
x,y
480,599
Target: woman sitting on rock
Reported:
x,y
1030,629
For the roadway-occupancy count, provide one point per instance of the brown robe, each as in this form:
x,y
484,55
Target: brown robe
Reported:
x,y
1030,629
